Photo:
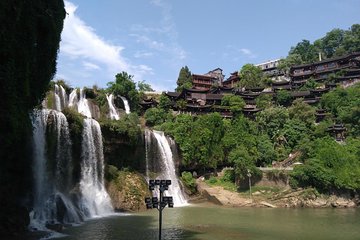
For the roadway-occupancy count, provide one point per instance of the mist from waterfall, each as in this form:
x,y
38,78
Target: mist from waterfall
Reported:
x,y
112,110
160,163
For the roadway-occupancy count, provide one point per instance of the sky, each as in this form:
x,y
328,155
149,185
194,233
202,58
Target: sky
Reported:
x,y
152,39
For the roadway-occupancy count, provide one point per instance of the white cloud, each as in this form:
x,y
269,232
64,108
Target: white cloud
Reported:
x,y
91,66
247,52
80,42
143,54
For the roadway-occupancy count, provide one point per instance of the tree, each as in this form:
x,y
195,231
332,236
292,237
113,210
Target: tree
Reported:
x,y
144,87
351,41
165,103
283,97
332,42
184,79
235,103
29,43
126,87
302,111
291,60
306,50
251,76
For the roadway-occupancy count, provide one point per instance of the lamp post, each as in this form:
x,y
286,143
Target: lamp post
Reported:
x,y
161,202
249,176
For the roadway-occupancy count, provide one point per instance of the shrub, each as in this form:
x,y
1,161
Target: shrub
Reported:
x,y
189,181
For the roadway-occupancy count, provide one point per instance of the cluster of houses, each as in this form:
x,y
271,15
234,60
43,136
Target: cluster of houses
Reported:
x,y
208,89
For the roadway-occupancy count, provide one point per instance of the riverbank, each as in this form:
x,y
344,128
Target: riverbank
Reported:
x,y
284,198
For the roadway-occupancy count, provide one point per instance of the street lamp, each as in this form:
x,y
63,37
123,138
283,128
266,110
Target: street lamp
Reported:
x,y
249,176
161,202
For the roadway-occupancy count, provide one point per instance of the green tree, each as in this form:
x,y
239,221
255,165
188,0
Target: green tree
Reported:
x,y
291,60
264,101
251,76
154,116
332,42
144,87
306,50
165,103
283,98
302,111
351,41
184,80
235,103
126,87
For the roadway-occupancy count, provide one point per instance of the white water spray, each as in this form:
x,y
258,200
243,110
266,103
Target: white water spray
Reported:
x,y
168,169
126,105
73,98
83,105
95,201
52,202
113,113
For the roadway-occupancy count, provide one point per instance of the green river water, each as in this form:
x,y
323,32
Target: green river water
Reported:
x,y
221,223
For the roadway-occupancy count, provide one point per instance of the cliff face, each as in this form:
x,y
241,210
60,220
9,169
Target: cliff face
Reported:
x,y
29,41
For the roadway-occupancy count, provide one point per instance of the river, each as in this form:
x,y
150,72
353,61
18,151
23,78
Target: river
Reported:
x,y
221,223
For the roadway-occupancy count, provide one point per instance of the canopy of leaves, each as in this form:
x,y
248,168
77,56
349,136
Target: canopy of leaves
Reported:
x,y
184,80
234,102
126,87
251,76
144,87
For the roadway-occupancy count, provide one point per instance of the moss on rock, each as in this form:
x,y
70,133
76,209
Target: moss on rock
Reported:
x,y
126,189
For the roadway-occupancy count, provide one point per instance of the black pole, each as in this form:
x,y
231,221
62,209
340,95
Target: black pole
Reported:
x,y
160,212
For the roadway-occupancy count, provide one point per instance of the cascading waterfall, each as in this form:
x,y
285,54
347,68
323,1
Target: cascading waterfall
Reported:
x,y
83,105
57,98
113,112
60,97
166,166
95,200
52,170
126,105
73,98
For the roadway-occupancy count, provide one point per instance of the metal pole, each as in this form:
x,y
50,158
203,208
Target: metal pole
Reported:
x,y
250,187
160,212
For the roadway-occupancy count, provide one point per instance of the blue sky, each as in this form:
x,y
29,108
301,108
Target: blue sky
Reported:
x,y
153,39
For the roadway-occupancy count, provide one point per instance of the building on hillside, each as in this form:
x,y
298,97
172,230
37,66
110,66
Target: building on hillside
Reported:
x,y
346,67
270,68
208,80
232,81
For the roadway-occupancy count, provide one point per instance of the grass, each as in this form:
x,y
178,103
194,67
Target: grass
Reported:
x,y
230,186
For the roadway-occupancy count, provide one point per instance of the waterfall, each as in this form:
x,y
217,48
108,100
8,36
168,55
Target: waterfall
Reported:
x,y
83,105
52,170
73,98
57,98
60,97
95,200
126,105
113,112
166,166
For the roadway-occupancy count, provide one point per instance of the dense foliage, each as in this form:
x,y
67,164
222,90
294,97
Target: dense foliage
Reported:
x,y
252,76
209,141
184,80
335,43
29,41
125,86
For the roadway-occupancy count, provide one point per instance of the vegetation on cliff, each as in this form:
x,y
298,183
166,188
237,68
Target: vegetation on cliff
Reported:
x,y
30,36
